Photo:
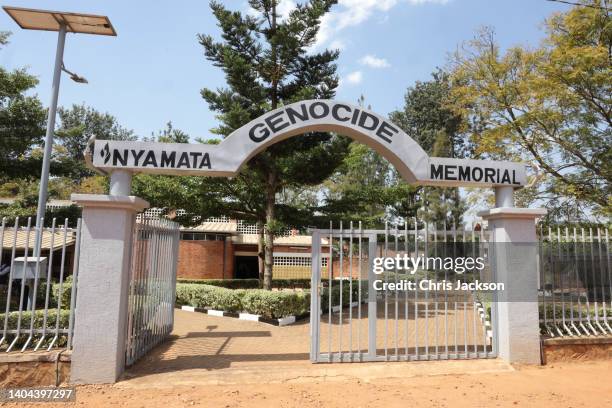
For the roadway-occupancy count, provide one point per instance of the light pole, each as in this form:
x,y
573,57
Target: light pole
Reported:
x,y
62,22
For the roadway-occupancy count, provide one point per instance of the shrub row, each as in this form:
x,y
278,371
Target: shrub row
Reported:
x,y
26,319
270,304
250,283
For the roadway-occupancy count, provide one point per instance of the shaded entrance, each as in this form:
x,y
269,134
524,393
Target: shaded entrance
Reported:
x,y
247,267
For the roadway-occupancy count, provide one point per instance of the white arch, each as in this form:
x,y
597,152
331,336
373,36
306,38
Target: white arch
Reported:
x,y
353,121
362,125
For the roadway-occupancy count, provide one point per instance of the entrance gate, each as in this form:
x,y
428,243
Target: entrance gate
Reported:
x,y
353,320
108,221
152,285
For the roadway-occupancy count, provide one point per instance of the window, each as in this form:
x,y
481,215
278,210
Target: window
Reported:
x,y
201,236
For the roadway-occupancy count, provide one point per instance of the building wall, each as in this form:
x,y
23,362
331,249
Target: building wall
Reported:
x,y
347,268
204,260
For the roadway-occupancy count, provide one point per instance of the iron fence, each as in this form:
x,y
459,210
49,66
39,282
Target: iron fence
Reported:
x,y
38,275
152,285
575,282
352,322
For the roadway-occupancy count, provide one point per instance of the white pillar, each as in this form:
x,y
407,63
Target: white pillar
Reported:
x,y
504,197
513,256
98,354
121,183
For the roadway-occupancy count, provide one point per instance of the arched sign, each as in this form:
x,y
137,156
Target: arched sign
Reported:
x,y
362,125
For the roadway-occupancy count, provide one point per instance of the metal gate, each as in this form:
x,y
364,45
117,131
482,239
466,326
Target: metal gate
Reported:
x,y
152,285
352,321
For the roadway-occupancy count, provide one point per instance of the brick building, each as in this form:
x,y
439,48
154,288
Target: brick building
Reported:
x,y
227,249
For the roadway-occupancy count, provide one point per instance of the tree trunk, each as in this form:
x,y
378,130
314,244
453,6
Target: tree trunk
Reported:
x,y
260,252
271,181
269,232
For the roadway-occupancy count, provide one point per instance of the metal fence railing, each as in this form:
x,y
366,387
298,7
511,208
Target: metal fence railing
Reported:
x,y
38,274
152,285
353,322
575,282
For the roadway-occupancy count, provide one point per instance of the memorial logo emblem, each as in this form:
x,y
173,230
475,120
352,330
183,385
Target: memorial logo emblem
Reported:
x,y
105,152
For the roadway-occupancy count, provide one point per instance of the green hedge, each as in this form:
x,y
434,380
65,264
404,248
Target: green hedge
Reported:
x,y
271,304
26,318
250,283
275,304
224,283
66,292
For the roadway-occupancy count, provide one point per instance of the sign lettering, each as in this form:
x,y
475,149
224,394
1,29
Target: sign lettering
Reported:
x,y
226,158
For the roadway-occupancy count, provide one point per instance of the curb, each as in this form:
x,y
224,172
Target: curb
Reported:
x,y
283,321
485,320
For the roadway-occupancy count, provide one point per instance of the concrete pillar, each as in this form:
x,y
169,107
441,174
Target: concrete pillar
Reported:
x,y
121,183
100,333
513,256
504,197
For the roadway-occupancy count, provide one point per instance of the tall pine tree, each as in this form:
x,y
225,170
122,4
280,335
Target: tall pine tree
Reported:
x,y
267,64
427,118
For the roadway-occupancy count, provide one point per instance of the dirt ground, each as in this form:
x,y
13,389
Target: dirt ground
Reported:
x,y
561,385
223,362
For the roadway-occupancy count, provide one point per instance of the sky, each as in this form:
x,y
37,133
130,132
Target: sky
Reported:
x,y
153,71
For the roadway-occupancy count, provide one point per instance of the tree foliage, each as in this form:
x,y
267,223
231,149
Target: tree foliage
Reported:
x,y
550,106
366,188
77,125
440,131
22,120
266,64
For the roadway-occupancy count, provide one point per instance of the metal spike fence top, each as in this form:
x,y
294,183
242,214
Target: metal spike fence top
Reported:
x,y
38,274
575,281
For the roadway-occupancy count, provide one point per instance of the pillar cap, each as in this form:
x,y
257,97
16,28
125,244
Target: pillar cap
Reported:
x,y
512,212
109,201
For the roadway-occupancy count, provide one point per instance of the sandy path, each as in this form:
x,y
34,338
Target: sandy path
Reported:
x,y
587,384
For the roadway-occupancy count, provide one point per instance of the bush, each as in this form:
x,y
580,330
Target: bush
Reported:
x,y
224,283
346,293
26,318
270,304
250,283
276,304
213,297
66,292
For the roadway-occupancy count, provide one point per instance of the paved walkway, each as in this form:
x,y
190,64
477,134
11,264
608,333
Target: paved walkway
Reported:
x,y
206,349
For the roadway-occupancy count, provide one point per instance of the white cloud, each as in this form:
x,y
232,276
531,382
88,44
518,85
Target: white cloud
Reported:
x,y
346,13
374,62
354,12
284,7
337,44
353,78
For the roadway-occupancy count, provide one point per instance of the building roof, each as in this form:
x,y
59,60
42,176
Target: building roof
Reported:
x,y
214,227
50,203
22,239
294,240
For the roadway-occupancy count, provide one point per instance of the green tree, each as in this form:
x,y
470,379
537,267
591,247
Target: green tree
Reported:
x,y
266,63
367,188
427,118
169,134
22,121
550,106
77,125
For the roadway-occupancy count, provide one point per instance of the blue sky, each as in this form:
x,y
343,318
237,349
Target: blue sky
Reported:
x,y
154,70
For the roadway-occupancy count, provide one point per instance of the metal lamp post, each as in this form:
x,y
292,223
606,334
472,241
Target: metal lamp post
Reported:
x,y
62,22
